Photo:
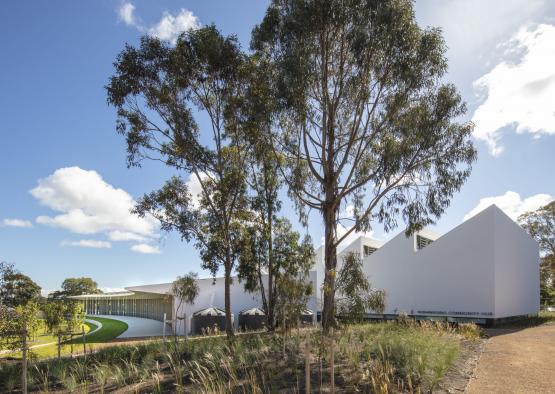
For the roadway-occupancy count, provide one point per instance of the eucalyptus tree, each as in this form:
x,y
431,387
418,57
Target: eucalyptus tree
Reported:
x,y
264,183
185,288
177,105
16,288
364,118
293,257
356,295
540,224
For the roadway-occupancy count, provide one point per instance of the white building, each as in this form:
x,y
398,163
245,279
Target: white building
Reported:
x,y
485,269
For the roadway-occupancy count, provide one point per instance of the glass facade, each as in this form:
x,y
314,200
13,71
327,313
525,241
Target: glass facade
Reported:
x,y
129,305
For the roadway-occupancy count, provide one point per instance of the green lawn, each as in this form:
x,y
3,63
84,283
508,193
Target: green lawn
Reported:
x,y
110,329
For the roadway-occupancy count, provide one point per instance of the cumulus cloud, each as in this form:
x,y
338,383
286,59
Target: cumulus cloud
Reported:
x,y
519,94
512,204
126,13
88,243
145,249
17,223
170,26
89,205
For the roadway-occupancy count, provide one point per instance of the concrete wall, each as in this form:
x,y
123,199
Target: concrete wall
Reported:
x,y
451,276
485,268
517,281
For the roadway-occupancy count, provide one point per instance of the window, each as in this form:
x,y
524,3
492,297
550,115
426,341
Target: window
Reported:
x,y
368,250
422,242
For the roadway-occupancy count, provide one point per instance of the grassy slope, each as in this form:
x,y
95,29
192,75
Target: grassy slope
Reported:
x,y
42,336
110,329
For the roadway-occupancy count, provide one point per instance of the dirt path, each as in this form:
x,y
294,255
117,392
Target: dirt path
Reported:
x,y
517,361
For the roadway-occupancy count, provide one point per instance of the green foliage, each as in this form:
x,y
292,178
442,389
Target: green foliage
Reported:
x,y
355,297
14,320
540,224
54,315
158,89
74,287
16,289
186,288
364,116
74,315
293,259
288,260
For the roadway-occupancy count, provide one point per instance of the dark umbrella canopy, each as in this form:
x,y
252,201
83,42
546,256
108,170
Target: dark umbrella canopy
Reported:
x,y
208,319
252,319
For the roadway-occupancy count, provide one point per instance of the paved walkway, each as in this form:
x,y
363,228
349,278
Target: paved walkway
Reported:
x,y
139,327
517,361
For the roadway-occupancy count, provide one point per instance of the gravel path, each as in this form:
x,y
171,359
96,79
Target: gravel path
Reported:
x,y
517,361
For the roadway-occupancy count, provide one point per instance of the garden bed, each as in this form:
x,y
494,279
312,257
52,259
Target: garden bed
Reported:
x,y
379,357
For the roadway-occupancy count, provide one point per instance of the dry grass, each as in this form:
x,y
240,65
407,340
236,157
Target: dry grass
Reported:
x,y
379,357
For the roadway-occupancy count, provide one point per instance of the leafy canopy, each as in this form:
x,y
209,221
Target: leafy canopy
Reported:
x,y
159,90
16,288
366,118
356,297
540,224
186,288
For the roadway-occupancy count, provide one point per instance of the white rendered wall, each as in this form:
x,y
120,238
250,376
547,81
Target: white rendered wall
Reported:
x,y
517,281
451,276
485,268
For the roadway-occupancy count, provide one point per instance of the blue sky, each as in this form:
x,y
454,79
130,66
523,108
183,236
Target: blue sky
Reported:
x,y
65,188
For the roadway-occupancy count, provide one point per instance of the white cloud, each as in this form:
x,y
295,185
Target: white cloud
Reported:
x,y
169,27
126,14
519,94
195,188
471,27
125,236
512,204
89,205
17,223
145,249
88,243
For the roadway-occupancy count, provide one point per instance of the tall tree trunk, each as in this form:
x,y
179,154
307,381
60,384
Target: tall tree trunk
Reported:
x,y
271,293
227,295
330,258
